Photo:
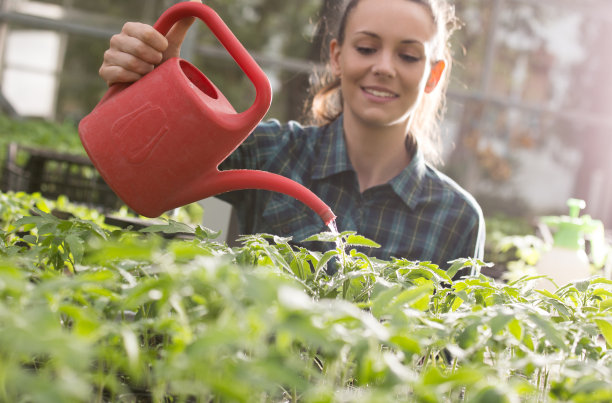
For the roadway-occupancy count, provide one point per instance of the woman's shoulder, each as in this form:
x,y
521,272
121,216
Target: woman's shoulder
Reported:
x,y
291,129
273,139
447,190
460,207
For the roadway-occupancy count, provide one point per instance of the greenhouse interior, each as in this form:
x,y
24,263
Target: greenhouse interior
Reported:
x,y
100,302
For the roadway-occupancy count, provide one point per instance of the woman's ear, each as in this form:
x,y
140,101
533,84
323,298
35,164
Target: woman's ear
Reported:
x,y
435,75
334,57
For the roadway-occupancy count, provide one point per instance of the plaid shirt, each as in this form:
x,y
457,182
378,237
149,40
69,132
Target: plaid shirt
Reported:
x,y
421,214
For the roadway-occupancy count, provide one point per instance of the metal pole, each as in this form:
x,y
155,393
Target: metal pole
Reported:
x,y
5,105
3,34
57,25
491,47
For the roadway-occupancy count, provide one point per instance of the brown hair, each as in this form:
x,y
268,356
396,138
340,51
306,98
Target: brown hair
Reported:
x,y
326,103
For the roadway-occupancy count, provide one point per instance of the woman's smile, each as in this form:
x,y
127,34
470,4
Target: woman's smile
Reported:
x,y
379,94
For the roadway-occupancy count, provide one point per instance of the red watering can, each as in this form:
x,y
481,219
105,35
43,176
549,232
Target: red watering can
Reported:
x,y
159,141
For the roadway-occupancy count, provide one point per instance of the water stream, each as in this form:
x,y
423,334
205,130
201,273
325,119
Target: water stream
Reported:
x,y
340,244
333,228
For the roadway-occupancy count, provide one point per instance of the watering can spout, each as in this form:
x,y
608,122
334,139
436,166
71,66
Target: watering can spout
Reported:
x,y
240,179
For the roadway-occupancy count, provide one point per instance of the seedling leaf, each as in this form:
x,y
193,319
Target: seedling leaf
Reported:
x,y
606,329
358,240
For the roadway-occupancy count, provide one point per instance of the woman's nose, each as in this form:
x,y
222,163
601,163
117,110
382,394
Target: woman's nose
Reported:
x,y
383,65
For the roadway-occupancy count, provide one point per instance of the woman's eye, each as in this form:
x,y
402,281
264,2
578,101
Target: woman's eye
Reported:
x,y
364,50
409,58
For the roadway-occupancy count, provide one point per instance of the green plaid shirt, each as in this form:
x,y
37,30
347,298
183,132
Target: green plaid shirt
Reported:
x,y
421,214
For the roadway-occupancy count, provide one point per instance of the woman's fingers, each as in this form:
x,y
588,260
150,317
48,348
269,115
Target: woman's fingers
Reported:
x,y
123,67
133,52
141,40
176,36
138,48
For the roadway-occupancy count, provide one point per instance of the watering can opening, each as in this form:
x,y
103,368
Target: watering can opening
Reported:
x,y
198,79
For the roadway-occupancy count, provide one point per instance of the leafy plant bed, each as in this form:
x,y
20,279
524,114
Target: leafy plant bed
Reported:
x,y
90,312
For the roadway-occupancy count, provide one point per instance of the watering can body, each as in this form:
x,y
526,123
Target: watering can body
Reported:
x,y
158,141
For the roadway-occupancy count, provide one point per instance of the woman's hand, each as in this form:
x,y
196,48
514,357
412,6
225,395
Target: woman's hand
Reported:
x,y
138,48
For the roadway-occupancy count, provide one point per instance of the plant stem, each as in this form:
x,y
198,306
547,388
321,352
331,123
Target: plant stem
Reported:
x,y
3,370
345,286
545,385
99,399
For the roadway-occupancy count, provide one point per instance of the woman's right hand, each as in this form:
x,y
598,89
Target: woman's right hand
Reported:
x,y
138,48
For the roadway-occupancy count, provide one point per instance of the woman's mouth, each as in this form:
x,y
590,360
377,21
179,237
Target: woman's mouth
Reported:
x,y
379,93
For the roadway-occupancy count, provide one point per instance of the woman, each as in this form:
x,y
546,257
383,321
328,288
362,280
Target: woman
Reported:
x,y
389,63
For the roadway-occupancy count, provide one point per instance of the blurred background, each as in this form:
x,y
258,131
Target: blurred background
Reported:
x,y
528,118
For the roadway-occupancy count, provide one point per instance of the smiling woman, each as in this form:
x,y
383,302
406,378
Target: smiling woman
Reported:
x,y
327,106
367,159
385,71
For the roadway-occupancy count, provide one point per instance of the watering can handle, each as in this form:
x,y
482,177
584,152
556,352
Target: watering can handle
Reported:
x,y
263,96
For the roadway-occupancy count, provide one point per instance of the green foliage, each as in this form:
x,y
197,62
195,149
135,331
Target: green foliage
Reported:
x,y
61,137
30,132
14,205
91,313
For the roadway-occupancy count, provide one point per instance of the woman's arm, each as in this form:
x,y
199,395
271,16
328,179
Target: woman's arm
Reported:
x,y
138,48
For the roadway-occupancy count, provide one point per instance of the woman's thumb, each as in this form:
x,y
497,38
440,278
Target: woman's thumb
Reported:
x,y
177,34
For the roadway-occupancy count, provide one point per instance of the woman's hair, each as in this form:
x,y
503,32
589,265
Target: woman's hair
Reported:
x,y
326,104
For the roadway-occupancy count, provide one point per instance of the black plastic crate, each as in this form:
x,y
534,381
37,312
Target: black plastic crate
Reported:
x,y
54,173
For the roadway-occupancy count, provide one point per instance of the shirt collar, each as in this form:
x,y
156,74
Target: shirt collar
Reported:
x,y
332,158
408,184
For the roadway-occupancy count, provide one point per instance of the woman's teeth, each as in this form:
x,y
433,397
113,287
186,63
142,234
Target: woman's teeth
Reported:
x,y
378,93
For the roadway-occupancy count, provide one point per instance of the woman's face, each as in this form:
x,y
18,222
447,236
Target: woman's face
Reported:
x,y
385,61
